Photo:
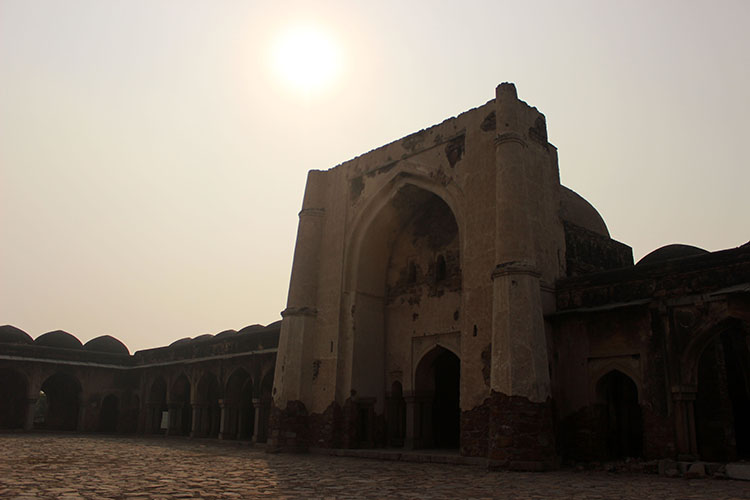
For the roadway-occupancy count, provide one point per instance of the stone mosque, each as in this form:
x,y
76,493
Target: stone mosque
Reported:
x,y
447,293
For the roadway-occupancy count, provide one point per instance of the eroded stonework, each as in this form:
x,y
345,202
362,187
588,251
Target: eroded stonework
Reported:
x,y
447,292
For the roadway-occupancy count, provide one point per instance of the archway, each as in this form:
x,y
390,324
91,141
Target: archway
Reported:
x,y
61,398
206,410
622,424
437,388
238,406
722,404
13,394
180,411
109,414
404,279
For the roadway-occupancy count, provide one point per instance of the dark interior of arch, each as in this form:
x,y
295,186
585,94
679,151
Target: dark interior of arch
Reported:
x,y
722,405
180,397
12,399
62,393
446,411
108,414
622,423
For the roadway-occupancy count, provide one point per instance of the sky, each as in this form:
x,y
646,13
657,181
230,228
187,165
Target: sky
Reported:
x,y
153,154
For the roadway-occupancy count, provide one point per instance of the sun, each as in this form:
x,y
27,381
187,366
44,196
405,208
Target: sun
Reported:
x,y
307,58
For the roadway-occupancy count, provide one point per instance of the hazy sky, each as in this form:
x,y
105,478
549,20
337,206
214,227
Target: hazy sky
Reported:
x,y
152,159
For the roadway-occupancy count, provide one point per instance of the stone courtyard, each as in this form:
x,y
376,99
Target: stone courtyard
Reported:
x,y
68,466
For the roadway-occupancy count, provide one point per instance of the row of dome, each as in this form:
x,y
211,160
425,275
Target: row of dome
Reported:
x,y
11,335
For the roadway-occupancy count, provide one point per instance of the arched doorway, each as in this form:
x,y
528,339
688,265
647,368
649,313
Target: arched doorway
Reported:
x,y
722,404
180,411
109,414
437,388
622,425
60,406
13,407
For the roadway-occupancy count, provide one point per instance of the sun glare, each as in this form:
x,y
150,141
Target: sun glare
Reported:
x,y
307,58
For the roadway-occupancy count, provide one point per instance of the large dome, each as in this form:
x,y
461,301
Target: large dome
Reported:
x,y
11,335
60,339
106,343
576,210
671,252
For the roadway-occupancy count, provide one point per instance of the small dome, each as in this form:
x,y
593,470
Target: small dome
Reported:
x,y
251,328
59,339
226,333
275,325
203,338
11,335
181,341
576,210
671,252
106,343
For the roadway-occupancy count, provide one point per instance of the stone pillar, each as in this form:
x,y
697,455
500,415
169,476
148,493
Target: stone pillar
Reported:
x,y
28,419
520,371
256,419
226,428
684,410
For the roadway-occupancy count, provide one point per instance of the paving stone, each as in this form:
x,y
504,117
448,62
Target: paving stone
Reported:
x,y
104,467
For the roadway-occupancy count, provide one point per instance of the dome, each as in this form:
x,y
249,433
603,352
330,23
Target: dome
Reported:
x,y
106,343
181,341
251,328
11,335
671,252
203,338
275,324
226,333
59,339
576,210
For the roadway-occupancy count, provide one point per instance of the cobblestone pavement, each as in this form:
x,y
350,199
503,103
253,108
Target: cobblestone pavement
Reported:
x,y
73,467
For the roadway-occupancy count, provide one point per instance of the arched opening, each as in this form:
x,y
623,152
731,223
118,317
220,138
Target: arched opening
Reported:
x,y
180,411
157,411
61,403
437,388
207,410
13,391
238,406
622,425
396,419
108,414
722,404
395,296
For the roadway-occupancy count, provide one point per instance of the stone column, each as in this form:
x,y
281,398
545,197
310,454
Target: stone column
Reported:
x,y
226,428
256,419
519,374
684,410
28,420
